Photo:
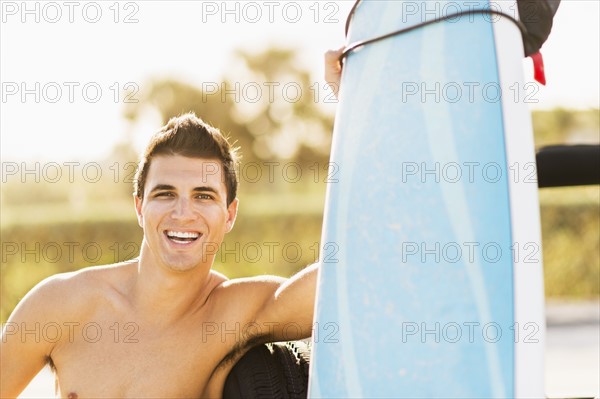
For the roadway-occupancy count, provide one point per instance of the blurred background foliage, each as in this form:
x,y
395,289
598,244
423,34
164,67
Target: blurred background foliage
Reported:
x,y
51,227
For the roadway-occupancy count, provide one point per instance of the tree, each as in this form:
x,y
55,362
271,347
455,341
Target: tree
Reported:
x,y
266,106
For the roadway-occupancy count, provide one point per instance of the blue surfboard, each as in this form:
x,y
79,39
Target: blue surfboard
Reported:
x,y
435,288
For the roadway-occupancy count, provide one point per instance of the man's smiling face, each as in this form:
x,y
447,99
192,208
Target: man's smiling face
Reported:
x,y
184,211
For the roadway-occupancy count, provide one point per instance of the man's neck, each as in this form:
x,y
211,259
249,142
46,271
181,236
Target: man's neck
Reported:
x,y
165,295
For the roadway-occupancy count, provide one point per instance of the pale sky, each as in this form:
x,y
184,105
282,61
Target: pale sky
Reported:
x,y
193,41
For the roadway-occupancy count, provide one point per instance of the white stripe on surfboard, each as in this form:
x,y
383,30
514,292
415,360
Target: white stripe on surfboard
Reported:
x,y
524,210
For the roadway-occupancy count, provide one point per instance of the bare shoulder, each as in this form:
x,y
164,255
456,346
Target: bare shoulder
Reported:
x,y
245,285
236,303
69,294
246,295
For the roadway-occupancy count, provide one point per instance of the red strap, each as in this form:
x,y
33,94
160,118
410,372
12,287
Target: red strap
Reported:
x,y
538,68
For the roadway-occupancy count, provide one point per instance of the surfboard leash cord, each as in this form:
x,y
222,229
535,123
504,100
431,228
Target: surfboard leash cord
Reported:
x,y
354,46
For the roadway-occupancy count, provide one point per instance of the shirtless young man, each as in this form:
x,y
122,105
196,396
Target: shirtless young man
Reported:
x,y
164,325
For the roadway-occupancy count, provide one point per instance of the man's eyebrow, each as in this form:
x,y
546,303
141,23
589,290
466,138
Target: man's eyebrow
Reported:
x,y
161,187
205,188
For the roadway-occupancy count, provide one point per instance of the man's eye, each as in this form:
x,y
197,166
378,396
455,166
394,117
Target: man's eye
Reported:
x,y
165,194
204,196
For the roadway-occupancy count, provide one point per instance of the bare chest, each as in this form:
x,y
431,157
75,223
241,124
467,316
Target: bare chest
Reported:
x,y
129,359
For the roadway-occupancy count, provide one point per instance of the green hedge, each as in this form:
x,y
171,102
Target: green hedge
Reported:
x,y
571,250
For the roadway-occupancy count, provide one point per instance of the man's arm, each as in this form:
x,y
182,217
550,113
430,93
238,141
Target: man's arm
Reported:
x,y
290,308
24,349
272,309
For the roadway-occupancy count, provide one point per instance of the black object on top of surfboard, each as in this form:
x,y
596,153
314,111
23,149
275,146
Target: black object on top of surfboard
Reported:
x,y
535,23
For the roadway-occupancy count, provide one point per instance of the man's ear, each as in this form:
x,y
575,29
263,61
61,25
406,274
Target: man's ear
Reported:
x,y
138,210
232,214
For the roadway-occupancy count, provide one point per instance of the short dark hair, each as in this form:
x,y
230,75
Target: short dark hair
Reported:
x,y
190,136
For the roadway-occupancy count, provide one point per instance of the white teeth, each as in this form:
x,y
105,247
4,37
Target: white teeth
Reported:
x,y
182,234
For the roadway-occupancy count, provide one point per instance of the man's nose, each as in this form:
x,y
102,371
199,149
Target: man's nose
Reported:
x,y
183,210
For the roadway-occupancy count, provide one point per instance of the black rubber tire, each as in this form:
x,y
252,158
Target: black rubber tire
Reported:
x,y
295,368
278,370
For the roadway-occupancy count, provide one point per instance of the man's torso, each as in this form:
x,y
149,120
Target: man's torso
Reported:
x,y
107,350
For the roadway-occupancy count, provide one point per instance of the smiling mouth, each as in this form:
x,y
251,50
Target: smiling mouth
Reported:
x,y
182,237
